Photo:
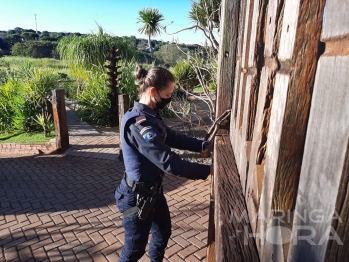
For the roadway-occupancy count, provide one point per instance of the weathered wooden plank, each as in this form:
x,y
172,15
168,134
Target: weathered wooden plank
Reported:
x,y
242,14
252,187
60,120
336,20
272,152
246,30
234,239
324,166
227,54
289,28
340,251
302,75
271,27
255,26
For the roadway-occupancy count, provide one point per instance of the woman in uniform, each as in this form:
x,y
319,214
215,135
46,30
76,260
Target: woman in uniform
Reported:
x,y
146,143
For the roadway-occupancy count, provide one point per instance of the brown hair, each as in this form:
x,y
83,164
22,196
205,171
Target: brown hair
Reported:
x,y
157,77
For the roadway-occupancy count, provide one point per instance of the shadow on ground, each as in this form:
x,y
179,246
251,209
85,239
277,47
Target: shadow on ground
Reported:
x,y
52,183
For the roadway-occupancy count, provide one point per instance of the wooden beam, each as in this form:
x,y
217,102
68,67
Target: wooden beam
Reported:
x,y
60,120
323,185
233,239
302,54
227,54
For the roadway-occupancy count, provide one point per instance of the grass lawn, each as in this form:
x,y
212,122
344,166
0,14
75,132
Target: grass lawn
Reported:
x,y
16,61
21,137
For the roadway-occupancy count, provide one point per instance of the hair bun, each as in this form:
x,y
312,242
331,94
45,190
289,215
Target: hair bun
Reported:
x,y
140,74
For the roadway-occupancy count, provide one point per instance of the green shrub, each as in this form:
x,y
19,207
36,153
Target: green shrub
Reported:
x,y
170,54
127,84
94,105
185,75
34,49
7,94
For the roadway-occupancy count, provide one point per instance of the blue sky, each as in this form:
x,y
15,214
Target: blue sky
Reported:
x,y
117,17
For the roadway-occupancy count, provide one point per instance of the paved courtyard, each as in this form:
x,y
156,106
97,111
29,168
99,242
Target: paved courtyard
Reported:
x,y
62,208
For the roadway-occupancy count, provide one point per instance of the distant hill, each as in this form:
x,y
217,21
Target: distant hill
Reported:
x,y
18,35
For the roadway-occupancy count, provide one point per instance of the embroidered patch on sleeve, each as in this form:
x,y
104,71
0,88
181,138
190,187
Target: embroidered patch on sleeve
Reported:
x,y
148,133
140,119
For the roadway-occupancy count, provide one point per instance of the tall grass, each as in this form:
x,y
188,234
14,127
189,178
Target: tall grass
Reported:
x,y
15,62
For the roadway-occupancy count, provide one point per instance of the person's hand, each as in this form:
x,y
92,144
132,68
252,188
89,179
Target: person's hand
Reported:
x,y
209,145
211,170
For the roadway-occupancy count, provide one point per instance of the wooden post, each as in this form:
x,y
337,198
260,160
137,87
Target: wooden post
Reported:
x,y
60,120
323,184
124,105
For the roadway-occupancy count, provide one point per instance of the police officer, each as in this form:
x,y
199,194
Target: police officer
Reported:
x,y
146,144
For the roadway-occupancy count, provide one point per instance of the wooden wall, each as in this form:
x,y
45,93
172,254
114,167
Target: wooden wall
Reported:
x,y
289,126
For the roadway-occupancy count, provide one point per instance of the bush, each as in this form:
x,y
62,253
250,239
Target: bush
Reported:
x,y
26,96
34,49
185,75
94,105
127,83
170,54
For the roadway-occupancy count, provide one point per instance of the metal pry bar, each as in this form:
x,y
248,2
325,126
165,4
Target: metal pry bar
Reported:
x,y
220,123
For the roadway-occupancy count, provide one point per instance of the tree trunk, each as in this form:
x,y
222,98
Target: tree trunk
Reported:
x,y
150,47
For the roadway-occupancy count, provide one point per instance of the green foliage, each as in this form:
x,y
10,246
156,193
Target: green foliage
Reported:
x,y
150,18
7,94
29,36
89,52
12,39
3,44
94,104
1,53
203,12
40,119
185,75
15,63
170,54
34,49
127,84
24,96
22,137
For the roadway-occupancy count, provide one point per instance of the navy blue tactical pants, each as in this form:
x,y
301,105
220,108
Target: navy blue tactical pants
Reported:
x,y
136,231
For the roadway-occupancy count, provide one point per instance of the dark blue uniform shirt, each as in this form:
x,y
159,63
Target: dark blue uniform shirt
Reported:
x,y
146,145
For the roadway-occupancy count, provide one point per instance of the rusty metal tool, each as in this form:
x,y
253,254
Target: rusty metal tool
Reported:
x,y
222,122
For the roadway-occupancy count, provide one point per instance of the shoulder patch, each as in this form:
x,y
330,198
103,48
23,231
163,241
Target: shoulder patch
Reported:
x,y
140,119
148,133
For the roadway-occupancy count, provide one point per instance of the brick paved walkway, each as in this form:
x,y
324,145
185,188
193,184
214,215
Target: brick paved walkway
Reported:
x,y
61,207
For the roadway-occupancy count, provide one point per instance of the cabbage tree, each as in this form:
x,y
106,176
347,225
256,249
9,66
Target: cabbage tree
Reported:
x,y
150,18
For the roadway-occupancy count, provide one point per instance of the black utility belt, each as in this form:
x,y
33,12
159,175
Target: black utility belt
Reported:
x,y
131,183
147,193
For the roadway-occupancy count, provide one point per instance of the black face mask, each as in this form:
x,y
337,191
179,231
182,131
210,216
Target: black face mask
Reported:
x,y
163,102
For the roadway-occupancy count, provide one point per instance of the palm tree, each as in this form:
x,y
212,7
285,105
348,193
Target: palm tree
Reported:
x,y
150,18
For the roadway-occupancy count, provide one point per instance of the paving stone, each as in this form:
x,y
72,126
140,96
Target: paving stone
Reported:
x,y
62,208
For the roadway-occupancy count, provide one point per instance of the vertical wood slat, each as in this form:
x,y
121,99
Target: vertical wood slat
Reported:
x,y
307,24
297,58
323,185
226,178
60,120
233,240
324,165
227,54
